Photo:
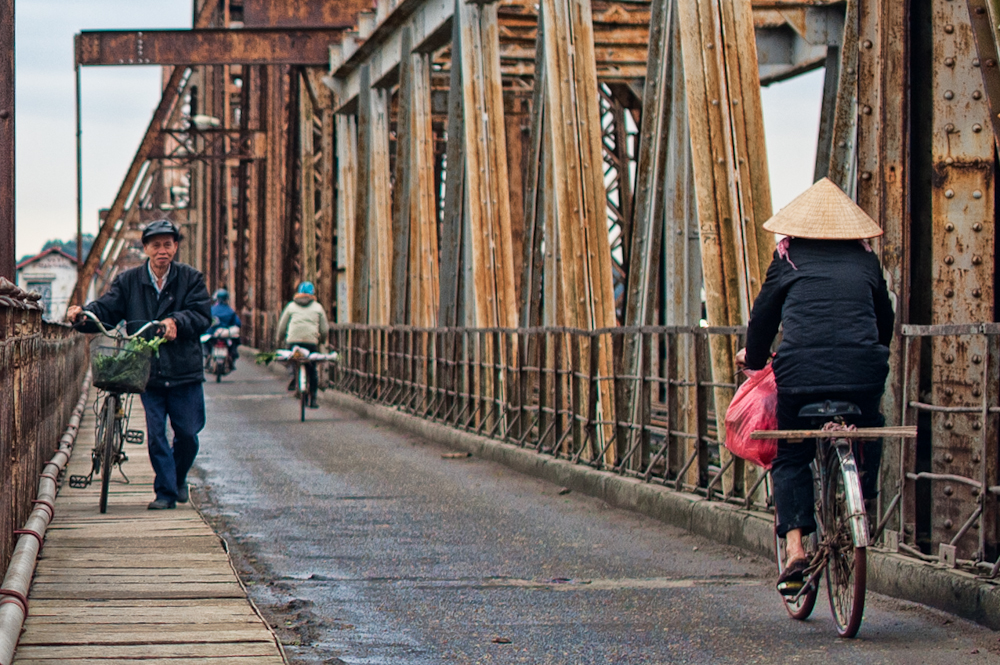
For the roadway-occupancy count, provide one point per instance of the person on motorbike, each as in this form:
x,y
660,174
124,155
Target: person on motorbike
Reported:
x,y
303,323
825,289
224,316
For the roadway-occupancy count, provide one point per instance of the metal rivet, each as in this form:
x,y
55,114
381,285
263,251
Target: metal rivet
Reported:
x,y
949,193
975,62
950,358
866,176
980,11
841,144
976,293
977,426
977,227
850,70
949,62
948,491
949,391
867,110
949,161
867,43
948,94
949,260
710,45
721,160
948,424
977,128
977,391
977,194
948,458
948,524
949,227
977,95
976,359
715,102
976,260
949,28
950,128
976,459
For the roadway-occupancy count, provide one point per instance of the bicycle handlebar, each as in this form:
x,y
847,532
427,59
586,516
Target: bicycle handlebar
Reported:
x,y
93,317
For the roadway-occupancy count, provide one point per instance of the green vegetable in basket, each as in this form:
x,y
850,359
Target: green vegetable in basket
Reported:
x,y
265,357
128,366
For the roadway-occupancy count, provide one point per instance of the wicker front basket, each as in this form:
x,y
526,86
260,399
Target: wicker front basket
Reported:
x,y
120,370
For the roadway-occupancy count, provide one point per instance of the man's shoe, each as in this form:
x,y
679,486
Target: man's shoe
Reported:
x,y
161,504
182,494
312,403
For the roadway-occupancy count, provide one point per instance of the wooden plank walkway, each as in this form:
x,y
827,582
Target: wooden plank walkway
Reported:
x,y
136,585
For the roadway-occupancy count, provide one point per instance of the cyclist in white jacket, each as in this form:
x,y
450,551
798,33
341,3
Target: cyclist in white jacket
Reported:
x,y
303,323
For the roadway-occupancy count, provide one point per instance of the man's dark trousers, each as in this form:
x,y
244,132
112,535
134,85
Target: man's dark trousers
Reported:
x,y
185,405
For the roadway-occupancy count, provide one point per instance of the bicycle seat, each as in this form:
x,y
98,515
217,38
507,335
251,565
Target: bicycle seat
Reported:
x,y
829,409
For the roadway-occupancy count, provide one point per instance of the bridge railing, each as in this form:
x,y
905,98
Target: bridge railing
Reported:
x,y
542,388
42,366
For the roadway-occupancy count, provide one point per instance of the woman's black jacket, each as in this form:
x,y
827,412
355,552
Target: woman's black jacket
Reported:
x,y
836,319
133,298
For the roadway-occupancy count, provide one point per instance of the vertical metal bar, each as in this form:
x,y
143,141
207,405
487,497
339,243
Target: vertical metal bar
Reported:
x,y
908,455
7,187
79,174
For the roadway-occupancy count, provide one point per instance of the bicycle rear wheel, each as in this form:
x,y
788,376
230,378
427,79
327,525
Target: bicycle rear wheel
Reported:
x,y
847,565
109,445
303,392
798,608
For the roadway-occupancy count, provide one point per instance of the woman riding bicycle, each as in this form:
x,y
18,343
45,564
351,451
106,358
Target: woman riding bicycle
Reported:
x,y
825,288
303,323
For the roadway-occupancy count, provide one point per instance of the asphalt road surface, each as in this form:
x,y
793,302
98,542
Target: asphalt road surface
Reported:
x,y
365,545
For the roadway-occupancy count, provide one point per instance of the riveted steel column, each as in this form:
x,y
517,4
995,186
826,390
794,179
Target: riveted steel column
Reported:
x,y
961,261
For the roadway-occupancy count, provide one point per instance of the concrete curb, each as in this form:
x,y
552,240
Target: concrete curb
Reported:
x,y
890,574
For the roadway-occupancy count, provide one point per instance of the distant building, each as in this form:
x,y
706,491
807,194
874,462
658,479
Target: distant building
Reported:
x,y
53,275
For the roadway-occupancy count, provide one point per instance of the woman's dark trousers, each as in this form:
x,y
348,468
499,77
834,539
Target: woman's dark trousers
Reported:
x,y
790,473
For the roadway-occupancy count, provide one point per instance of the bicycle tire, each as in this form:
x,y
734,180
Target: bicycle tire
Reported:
x,y
109,414
800,609
846,565
303,392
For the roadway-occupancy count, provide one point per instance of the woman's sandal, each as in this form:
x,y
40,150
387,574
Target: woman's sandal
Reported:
x,y
792,579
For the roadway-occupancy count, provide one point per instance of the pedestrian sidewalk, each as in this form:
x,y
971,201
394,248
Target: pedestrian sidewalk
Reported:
x,y
154,587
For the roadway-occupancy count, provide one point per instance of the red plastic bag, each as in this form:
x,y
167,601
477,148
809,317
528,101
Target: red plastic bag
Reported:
x,y
755,407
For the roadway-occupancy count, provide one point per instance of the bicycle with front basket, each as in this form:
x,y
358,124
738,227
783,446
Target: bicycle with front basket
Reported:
x,y
120,373
839,547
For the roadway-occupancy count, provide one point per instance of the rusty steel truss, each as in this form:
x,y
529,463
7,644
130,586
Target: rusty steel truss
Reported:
x,y
591,166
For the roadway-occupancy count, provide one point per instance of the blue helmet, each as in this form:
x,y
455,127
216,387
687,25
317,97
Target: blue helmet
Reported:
x,y
306,287
222,295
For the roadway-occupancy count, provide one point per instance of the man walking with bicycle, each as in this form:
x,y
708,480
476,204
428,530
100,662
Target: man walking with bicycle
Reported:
x,y
174,293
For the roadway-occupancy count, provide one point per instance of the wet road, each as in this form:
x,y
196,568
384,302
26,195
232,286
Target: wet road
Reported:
x,y
365,545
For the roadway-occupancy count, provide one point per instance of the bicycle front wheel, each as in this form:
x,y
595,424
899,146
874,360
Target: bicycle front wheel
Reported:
x,y
109,445
303,392
846,565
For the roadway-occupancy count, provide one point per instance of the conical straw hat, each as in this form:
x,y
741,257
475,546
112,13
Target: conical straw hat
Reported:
x,y
823,212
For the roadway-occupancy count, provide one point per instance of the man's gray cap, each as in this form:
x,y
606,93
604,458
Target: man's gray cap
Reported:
x,y
160,227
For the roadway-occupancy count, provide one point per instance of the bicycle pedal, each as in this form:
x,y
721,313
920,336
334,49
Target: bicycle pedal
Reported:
x,y
79,482
136,436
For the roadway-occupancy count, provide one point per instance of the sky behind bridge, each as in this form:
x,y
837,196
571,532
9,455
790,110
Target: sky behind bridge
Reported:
x,y
119,101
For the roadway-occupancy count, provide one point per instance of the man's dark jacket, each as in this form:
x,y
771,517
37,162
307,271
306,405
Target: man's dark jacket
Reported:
x,y
133,298
836,319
